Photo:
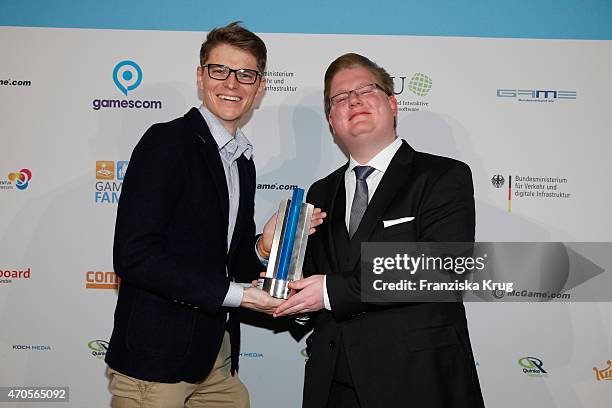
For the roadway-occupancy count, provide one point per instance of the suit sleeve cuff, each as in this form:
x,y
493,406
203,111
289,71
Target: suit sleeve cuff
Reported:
x,y
263,260
233,297
325,295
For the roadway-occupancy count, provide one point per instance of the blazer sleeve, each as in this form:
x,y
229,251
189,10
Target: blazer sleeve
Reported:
x,y
446,215
152,188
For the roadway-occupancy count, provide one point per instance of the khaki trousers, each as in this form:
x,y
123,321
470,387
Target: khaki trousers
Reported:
x,y
219,389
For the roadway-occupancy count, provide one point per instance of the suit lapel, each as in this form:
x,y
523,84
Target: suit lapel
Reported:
x,y
338,198
210,150
396,176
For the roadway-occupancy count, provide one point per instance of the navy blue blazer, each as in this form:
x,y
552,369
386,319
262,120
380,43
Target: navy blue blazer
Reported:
x,y
170,251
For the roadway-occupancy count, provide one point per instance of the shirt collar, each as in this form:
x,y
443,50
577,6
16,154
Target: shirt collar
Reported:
x,y
382,159
222,136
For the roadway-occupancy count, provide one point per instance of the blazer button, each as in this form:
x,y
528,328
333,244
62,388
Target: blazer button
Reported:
x,y
332,344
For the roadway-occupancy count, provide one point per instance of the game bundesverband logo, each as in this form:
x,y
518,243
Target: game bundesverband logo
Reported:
x,y
537,95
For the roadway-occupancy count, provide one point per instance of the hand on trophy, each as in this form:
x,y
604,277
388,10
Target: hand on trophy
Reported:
x,y
308,299
259,301
265,243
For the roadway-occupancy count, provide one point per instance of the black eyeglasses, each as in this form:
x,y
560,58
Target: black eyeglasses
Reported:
x,y
222,72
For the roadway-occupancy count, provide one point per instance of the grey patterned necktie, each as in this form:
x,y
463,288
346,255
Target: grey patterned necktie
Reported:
x,y
360,200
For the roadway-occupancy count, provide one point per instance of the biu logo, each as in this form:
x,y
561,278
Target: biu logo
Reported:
x,y
127,76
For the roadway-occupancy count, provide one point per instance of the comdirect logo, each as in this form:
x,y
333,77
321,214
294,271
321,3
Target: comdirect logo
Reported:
x,y
536,95
19,180
419,84
127,76
101,280
109,176
8,275
98,348
605,374
532,367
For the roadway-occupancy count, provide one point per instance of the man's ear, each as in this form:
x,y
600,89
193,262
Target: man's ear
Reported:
x,y
331,127
393,104
262,85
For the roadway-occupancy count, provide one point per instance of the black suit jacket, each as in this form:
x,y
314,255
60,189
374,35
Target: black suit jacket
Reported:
x,y
399,354
171,254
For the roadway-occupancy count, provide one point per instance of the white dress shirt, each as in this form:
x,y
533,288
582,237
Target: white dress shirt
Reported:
x,y
231,147
380,162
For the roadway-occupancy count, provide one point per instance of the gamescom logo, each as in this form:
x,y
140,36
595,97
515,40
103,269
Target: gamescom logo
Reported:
x,y
98,348
19,180
110,175
532,367
7,275
101,280
127,76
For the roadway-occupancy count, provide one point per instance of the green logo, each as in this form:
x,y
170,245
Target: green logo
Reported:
x,y
420,84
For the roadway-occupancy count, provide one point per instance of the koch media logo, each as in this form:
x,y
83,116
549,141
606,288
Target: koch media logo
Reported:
x,y
605,374
101,280
419,85
109,176
8,275
251,355
19,180
98,348
536,95
31,347
532,367
127,76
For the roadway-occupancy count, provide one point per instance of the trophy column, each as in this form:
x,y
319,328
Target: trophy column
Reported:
x,y
288,245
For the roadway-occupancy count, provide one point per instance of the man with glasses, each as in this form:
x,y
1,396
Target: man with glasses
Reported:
x,y
185,235
375,354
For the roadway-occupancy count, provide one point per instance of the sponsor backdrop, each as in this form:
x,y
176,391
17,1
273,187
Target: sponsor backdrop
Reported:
x,y
531,116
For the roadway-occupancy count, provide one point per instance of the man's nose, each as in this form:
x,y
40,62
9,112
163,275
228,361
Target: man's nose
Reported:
x,y
231,81
354,98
